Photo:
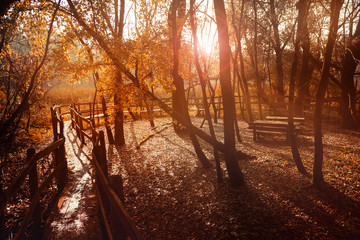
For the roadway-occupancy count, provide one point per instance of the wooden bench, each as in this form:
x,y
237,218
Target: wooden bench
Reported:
x,y
285,119
263,127
199,111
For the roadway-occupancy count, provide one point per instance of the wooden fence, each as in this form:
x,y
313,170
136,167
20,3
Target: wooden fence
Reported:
x,y
81,116
33,213
331,107
117,222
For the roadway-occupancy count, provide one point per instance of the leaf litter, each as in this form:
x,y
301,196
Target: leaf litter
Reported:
x,y
170,196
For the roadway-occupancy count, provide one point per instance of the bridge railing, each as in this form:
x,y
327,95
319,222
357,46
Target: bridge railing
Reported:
x,y
33,213
109,189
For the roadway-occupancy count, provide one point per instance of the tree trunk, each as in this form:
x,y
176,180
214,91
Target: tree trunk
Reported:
x,y
347,101
279,85
258,82
245,84
304,80
242,82
305,73
237,130
318,159
294,147
236,73
203,89
119,113
235,173
179,101
149,112
212,100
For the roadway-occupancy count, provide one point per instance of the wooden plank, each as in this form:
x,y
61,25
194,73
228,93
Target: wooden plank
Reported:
x,y
267,123
273,129
279,118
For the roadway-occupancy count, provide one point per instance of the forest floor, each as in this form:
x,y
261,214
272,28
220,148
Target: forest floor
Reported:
x,y
170,196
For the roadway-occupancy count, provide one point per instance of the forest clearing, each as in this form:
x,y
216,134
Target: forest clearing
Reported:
x,y
155,119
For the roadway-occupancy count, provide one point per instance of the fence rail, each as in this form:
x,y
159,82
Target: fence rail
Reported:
x,y
118,224
30,169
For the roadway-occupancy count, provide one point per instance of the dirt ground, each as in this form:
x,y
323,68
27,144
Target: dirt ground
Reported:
x,y
170,196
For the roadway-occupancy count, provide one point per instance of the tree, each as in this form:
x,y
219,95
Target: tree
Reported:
x,y
176,23
235,173
255,64
241,73
203,89
302,5
119,113
304,39
350,117
318,158
18,103
179,101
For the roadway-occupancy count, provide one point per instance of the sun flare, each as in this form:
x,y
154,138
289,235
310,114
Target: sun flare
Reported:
x,y
208,39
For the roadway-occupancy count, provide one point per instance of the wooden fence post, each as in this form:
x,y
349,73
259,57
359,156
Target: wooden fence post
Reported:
x,y
108,130
98,112
117,228
81,129
90,110
59,157
61,134
118,231
77,127
103,159
33,185
76,121
62,158
62,175
54,123
100,153
60,115
103,164
116,184
72,116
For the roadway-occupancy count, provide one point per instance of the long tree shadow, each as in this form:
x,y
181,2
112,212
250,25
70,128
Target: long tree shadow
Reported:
x,y
324,213
196,193
327,213
78,150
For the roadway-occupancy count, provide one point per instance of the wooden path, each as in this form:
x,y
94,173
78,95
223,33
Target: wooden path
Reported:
x,y
75,216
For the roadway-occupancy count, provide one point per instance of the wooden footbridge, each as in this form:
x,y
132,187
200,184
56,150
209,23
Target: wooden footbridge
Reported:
x,y
76,140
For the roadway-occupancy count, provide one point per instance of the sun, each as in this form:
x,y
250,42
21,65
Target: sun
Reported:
x,y
206,46
208,39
